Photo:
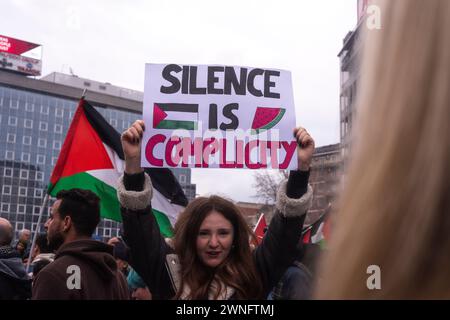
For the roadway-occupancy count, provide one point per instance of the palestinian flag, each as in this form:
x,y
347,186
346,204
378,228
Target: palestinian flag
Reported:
x,y
92,158
319,231
175,116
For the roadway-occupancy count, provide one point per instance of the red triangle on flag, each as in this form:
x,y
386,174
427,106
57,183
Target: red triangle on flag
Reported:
x,y
158,115
82,150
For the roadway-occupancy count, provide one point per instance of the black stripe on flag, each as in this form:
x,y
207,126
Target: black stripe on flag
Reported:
x,y
179,107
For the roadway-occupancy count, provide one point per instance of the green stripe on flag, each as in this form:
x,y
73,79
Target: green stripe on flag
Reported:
x,y
177,124
109,204
164,224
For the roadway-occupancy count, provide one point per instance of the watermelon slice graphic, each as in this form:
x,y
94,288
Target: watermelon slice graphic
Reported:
x,y
266,118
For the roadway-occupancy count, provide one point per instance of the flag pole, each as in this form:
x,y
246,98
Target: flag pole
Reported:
x,y
44,203
83,95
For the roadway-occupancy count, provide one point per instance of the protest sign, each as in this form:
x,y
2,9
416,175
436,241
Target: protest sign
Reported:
x,y
212,116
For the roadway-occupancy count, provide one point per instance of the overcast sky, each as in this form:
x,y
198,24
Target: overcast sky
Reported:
x,y
111,40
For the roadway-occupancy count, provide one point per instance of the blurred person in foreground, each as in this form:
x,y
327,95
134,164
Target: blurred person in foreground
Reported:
x,y
395,209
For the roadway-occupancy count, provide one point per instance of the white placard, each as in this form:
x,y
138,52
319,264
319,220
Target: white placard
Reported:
x,y
213,116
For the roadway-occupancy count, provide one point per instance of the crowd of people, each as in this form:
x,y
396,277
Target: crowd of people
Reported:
x,y
209,257
393,212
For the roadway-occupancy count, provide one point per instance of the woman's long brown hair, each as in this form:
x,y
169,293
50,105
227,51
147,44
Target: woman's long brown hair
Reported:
x,y
395,210
237,271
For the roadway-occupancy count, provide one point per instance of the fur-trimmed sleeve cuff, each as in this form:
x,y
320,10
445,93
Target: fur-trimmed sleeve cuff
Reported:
x,y
135,200
293,207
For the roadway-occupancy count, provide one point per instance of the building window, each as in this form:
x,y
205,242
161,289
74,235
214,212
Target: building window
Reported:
x,y
21,208
39,176
9,155
113,122
58,128
87,84
102,87
40,159
38,193
11,138
54,159
28,124
8,172
14,104
36,210
6,190
23,191
42,143
33,227
29,107
107,232
5,207
24,174
12,121
59,112
25,157
183,178
20,225
44,109
26,140
56,144
43,126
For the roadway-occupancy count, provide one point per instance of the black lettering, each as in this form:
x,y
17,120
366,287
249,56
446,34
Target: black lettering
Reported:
x,y
193,82
270,84
212,79
213,116
185,80
251,82
231,79
166,74
227,112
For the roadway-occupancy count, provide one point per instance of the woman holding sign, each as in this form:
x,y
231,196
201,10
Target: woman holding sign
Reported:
x,y
211,257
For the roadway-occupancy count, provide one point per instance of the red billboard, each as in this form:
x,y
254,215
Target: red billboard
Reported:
x,y
15,46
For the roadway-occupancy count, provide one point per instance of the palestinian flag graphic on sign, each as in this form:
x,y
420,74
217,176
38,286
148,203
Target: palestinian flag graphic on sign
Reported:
x,y
92,158
175,116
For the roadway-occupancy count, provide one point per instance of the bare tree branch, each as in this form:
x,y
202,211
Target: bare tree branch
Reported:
x,y
267,182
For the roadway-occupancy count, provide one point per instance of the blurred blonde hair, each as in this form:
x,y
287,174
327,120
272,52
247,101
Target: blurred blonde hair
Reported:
x,y
394,211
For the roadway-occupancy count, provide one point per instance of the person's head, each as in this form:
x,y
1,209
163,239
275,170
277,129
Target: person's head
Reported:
x,y
75,215
6,232
24,235
22,244
212,239
394,212
120,253
41,245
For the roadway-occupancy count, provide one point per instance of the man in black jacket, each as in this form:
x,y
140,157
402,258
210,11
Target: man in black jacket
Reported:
x,y
14,281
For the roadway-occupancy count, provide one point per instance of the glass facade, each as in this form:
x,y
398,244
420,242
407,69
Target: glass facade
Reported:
x,y
32,130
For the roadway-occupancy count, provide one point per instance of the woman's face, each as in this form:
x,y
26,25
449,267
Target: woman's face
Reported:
x,y
214,239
